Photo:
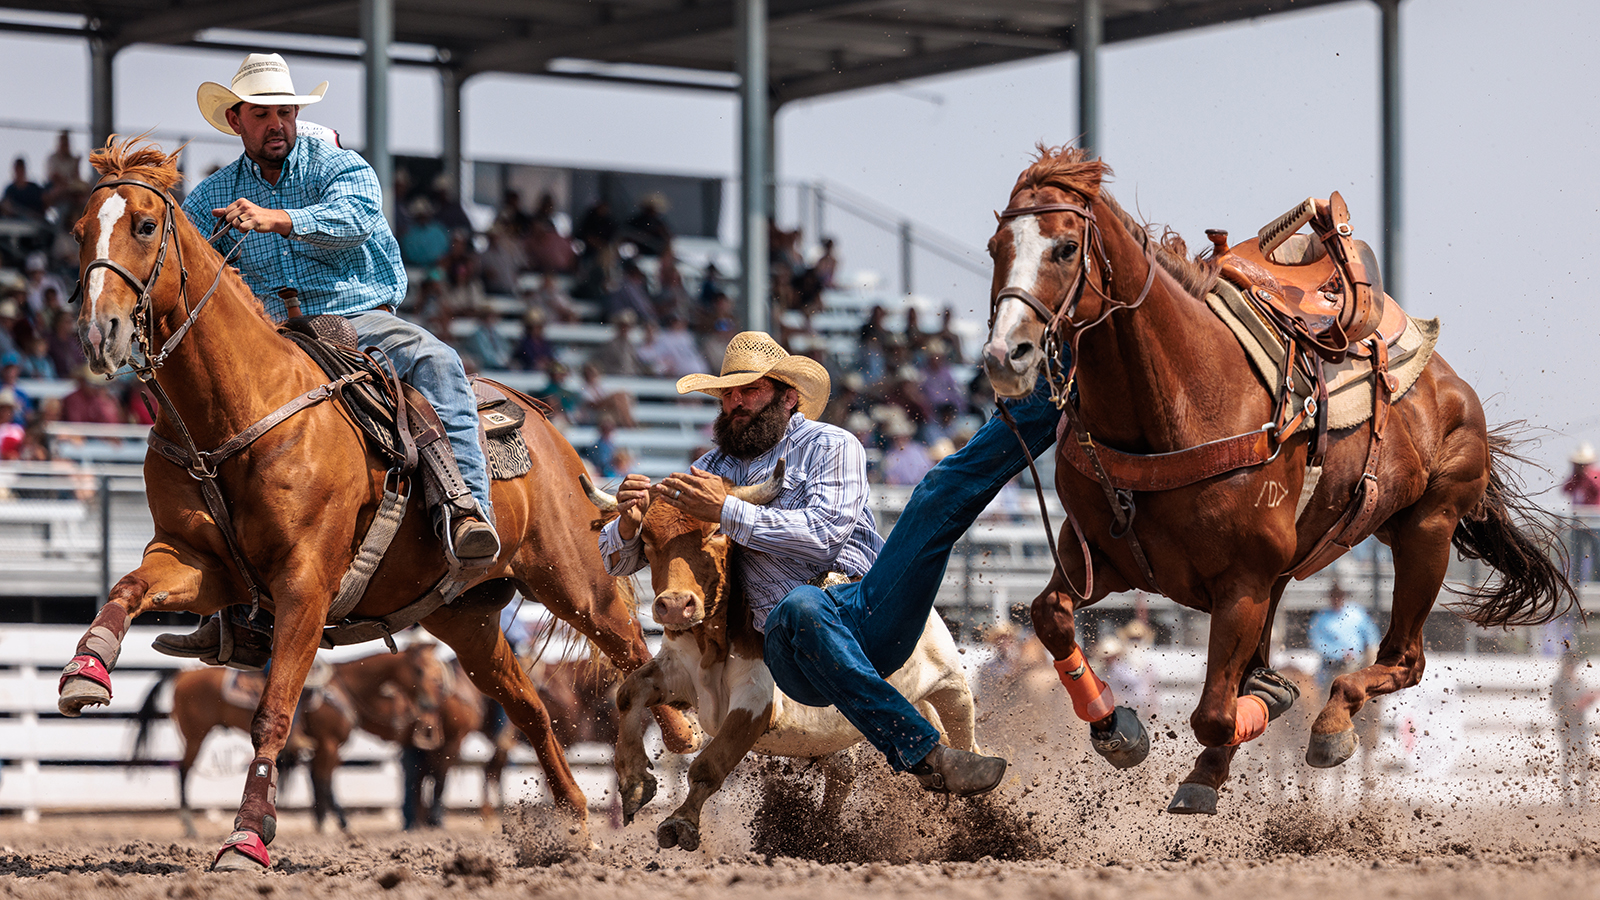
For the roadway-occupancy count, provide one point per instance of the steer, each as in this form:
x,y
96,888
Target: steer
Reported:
x,y
711,660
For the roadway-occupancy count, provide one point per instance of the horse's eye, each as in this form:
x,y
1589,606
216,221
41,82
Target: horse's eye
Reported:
x,y
148,227
1066,250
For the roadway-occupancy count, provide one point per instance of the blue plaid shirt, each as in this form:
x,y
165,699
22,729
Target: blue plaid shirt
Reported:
x,y
340,255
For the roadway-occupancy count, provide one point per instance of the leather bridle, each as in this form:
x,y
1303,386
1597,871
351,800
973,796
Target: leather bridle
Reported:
x,y
1056,322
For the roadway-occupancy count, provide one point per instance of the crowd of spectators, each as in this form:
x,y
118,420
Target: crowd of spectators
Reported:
x,y
904,390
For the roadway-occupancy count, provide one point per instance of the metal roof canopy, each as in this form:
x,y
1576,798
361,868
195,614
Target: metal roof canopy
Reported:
x,y
807,48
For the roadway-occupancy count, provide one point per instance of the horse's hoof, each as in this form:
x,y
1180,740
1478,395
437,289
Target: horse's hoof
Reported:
x,y
1193,799
1328,750
635,796
235,861
1278,692
1126,744
678,832
78,692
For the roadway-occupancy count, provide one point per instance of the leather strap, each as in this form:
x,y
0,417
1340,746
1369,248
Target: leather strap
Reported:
x,y
1169,471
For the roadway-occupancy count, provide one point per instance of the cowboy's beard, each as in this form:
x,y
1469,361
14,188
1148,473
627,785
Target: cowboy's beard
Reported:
x,y
748,435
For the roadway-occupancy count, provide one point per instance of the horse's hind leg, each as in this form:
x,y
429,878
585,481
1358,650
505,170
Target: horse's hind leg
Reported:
x,y
473,632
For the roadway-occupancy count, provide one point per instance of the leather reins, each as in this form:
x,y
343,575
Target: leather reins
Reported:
x,y
1055,322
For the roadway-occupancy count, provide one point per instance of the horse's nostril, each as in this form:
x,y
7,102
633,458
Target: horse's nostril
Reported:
x,y
1022,350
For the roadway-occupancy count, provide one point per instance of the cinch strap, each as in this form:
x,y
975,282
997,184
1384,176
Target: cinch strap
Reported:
x,y
1092,699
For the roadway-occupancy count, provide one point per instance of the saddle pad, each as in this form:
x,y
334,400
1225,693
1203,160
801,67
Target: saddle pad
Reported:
x,y
1349,382
243,689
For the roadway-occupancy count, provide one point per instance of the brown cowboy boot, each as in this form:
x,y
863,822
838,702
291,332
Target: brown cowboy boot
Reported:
x,y
249,648
950,771
474,539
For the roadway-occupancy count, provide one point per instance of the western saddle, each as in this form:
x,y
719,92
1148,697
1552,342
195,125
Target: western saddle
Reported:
x,y
1323,287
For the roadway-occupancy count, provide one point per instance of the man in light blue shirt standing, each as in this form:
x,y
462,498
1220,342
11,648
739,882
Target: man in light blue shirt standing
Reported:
x,y
310,217
1343,635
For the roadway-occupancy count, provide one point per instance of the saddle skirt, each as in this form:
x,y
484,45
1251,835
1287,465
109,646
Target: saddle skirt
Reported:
x,y
1411,343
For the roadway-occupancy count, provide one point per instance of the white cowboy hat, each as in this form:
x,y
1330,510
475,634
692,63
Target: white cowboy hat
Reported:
x,y
1584,455
754,354
263,78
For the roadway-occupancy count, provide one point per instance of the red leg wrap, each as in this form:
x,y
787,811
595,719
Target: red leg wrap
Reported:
x,y
250,844
105,634
258,810
1092,699
1249,719
89,667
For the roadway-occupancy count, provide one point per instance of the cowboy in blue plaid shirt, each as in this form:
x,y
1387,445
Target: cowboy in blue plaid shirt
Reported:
x,y
311,215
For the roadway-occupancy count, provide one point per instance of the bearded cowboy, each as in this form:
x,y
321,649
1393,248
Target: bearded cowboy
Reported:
x,y
311,218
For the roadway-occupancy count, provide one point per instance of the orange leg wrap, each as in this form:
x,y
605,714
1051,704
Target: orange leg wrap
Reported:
x,y
1249,719
1091,698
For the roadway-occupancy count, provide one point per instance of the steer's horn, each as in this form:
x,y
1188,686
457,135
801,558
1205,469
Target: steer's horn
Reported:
x,y
606,502
763,493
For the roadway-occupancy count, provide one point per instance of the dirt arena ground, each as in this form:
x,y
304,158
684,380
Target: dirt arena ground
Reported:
x,y
1063,826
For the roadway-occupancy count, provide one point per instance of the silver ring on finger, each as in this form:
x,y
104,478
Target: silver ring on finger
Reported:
x,y
677,493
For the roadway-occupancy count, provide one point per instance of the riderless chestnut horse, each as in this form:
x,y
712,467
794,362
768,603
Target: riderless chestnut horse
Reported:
x,y
1155,373
301,492
398,697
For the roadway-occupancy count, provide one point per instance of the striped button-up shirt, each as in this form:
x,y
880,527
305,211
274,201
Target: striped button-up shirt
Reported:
x,y
340,255
819,523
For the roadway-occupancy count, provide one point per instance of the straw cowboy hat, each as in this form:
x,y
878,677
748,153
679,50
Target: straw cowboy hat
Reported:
x,y
754,354
1584,455
263,79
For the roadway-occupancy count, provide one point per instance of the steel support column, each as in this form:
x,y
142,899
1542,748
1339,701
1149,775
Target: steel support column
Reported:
x,y
450,123
377,32
1087,36
102,94
1393,219
754,125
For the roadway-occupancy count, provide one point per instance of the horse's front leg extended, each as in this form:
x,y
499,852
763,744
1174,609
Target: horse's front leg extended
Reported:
x,y
301,612
171,576
1115,732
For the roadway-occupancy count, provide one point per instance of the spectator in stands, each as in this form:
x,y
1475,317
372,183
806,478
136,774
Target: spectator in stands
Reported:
x,y
549,297
63,178
11,412
463,281
905,392
563,401
22,198
619,356
533,351
502,262
939,382
10,316
947,336
671,297
1343,635
1583,489
710,285
604,454
1583,485
66,351
10,373
447,204
599,401
913,337
511,218
826,268
36,362
486,344
426,240
13,434
906,460
647,228
631,295
41,281
91,400
671,353
847,400
597,230
873,339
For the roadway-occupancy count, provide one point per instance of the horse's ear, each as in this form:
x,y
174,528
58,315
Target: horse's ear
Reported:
x,y
77,232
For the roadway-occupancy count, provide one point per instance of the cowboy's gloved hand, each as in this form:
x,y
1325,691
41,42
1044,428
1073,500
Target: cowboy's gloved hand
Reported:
x,y
243,215
698,493
633,498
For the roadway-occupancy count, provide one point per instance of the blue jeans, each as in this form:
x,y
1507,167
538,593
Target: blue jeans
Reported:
x,y
432,367
834,647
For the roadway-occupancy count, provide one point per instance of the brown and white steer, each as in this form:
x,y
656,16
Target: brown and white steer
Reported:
x,y
711,660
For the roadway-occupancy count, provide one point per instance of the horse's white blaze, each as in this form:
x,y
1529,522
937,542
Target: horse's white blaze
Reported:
x,y
110,214
1029,247
1012,313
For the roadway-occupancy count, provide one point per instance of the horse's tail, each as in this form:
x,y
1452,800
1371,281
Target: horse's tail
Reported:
x,y
1515,538
147,713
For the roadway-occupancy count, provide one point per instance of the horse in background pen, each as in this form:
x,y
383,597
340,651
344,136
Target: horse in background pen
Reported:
x,y
1173,484
277,508
396,697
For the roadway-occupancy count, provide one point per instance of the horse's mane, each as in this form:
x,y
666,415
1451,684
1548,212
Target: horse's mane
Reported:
x,y
1069,168
136,157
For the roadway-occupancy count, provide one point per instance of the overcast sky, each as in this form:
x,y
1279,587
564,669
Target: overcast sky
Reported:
x,y
1221,127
